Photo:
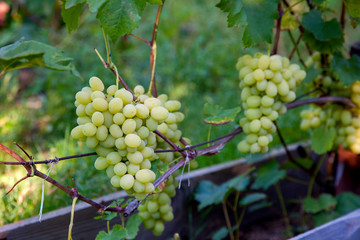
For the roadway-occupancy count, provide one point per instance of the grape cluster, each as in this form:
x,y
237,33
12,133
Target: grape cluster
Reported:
x,y
120,128
157,210
267,83
355,93
345,123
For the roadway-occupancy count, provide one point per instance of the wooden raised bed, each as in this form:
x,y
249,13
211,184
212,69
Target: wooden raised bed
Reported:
x,y
54,224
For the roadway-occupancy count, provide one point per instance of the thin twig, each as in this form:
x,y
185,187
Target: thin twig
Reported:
x,y
278,29
141,39
321,100
47,161
153,52
342,16
2,73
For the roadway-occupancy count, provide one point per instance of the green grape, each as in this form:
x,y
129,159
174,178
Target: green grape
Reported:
x,y
115,105
102,151
346,117
89,129
151,124
149,188
172,105
96,84
132,169
108,117
271,89
97,119
83,97
115,131
259,75
101,163
101,133
110,171
249,79
100,104
150,103
152,206
253,101
91,142
145,176
255,126
113,158
111,90
77,133
145,164
159,113
171,119
129,126
283,88
109,142
135,158
253,114
263,141
120,169
118,118
142,111
80,110
138,90
127,181
97,94
129,111
139,187
89,109
125,96
115,181
132,140
143,132
267,101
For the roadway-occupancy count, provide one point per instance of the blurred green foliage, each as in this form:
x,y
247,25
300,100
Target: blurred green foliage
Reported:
x,y
195,64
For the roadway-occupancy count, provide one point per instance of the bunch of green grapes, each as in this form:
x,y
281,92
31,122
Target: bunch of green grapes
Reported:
x,y
345,123
156,209
355,93
267,83
120,128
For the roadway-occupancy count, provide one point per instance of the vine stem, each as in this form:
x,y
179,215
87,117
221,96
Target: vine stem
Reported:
x,y
141,39
2,73
283,208
153,52
278,29
342,16
311,184
227,219
72,218
296,49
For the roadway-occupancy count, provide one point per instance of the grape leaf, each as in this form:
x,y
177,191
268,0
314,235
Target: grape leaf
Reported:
x,y
255,16
353,8
117,232
322,36
311,74
322,139
157,2
72,14
252,198
22,54
268,174
346,70
208,193
322,31
120,17
132,226
325,202
288,21
219,115
94,5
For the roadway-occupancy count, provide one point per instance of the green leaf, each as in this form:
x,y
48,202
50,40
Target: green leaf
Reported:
x,y
23,54
120,17
219,115
347,202
220,234
268,174
255,16
353,8
322,139
324,217
252,198
208,193
117,232
94,5
325,202
72,3
288,21
322,36
132,226
311,74
323,31
346,70
72,14
157,2
260,205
